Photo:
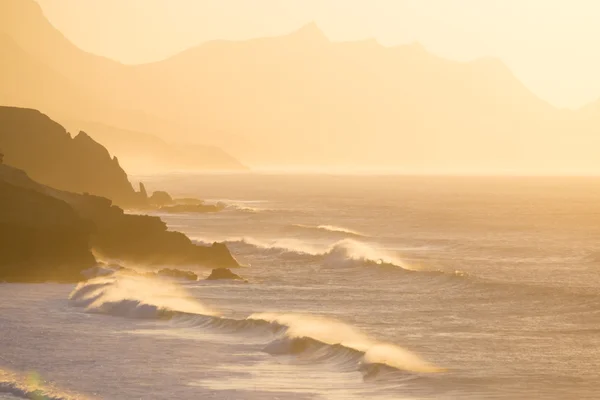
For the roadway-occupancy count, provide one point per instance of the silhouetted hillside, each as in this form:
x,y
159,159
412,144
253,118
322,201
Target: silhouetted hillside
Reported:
x,y
41,69
145,153
49,234
33,142
301,99
41,237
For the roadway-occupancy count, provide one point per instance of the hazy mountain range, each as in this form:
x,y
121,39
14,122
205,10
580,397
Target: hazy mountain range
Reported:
x,y
34,143
301,100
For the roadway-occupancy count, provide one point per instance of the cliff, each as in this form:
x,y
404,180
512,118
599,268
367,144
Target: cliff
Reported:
x,y
144,152
33,142
41,237
49,234
41,69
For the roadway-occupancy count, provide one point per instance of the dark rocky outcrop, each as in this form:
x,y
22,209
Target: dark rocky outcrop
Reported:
x,y
160,198
188,201
223,274
31,141
41,237
48,234
143,192
178,274
145,240
104,270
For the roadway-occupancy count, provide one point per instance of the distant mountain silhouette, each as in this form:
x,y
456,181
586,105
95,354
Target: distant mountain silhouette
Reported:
x,y
300,99
142,152
41,69
33,142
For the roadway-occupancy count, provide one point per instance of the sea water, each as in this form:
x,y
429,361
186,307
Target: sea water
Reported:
x,y
359,287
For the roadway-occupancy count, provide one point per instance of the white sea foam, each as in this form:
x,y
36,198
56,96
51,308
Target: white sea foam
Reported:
x,y
331,229
135,296
308,333
318,338
342,253
31,386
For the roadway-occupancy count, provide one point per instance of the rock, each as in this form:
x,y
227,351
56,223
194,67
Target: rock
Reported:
x,y
143,192
48,234
192,208
160,199
41,238
33,142
221,255
189,201
223,273
100,270
177,273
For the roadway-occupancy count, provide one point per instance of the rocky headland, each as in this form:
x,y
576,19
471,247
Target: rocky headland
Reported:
x,y
49,234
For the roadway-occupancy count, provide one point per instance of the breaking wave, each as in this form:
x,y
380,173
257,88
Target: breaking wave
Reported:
x,y
346,252
30,386
328,340
308,338
135,297
246,206
329,229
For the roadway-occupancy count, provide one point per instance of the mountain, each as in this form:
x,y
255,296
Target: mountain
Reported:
x,y
140,152
300,99
33,142
41,69
305,100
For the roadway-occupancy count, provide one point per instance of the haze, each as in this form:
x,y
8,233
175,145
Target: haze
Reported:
x,y
548,44
290,86
299,199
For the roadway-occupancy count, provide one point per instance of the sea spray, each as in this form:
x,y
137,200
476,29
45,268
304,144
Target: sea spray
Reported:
x,y
327,230
315,338
335,340
32,386
135,296
346,252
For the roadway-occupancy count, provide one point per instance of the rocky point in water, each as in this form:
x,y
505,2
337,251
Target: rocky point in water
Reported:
x,y
223,273
177,273
160,198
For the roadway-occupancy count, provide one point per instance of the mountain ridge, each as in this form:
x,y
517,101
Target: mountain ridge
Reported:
x,y
43,70
32,141
301,99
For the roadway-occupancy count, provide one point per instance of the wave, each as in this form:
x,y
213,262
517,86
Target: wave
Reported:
x,y
241,208
315,339
346,252
330,229
135,297
248,206
30,386
329,340
310,338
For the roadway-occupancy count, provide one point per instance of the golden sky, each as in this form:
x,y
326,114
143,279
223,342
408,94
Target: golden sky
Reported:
x,y
551,45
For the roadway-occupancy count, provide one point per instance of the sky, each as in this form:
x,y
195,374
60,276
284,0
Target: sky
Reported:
x,y
551,45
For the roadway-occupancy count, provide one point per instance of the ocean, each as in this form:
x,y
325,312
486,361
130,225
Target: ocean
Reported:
x,y
359,287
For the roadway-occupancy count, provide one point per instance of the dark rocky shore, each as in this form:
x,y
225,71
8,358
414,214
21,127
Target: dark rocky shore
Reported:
x,y
48,233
